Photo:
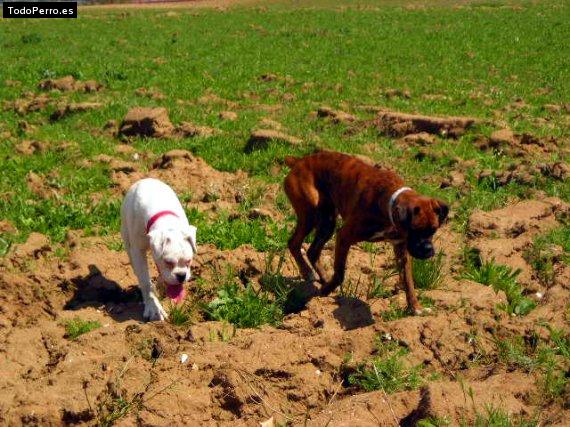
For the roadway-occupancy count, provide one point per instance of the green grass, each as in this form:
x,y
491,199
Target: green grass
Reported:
x,y
244,307
76,327
497,417
542,254
386,371
550,358
500,278
440,50
180,314
428,273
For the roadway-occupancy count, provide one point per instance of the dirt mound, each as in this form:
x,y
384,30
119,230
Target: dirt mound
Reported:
x,y
517,145
145,121
189,130
336,116
260,139
29,147
505,234
526,217
186,173
150,93
420,139
29,103
398,124
228,115
70,84
74,107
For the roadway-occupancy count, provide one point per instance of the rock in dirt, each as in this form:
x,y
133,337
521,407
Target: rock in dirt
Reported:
x,y
74,107
336,116
260,139
399,124
145,121
70,84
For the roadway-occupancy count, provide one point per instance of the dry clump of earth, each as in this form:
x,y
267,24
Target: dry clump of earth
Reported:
x,y
70,84
154,122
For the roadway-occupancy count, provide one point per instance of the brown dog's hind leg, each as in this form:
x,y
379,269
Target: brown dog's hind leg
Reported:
x,y
326,222
304,197
304,227
343,242
404,261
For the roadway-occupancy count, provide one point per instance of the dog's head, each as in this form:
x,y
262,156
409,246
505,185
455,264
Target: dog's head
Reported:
x,y
420,217
173,251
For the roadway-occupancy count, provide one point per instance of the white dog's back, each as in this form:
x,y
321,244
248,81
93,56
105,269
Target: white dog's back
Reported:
x,y
144,199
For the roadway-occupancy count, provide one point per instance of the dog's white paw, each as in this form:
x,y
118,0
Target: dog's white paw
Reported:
x,y
153,310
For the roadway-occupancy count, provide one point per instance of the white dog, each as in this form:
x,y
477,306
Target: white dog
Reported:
x,y
152,217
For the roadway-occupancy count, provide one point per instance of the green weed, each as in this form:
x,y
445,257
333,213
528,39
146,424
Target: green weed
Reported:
x,y
386,371
428,273
76,327
500,278
244,307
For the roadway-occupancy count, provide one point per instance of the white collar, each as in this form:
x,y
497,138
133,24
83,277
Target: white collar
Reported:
x,y
393,199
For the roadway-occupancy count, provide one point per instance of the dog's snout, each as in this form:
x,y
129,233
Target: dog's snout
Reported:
x,y
427,246
422,249
181,277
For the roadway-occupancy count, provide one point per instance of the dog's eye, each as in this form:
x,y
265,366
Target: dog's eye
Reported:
x,y
169,264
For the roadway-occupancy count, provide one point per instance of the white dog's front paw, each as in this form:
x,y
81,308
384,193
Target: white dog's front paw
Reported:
x,y
153,309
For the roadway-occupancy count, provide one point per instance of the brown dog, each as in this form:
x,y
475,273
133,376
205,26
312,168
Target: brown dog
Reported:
x,y
374,206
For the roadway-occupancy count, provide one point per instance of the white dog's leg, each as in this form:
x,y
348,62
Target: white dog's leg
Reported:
x,y
152,308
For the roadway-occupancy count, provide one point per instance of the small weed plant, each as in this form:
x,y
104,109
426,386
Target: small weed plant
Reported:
x,y
500,278
76,327
387,370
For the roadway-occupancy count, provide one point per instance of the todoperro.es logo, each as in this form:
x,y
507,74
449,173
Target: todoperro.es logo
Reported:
x,y
45,9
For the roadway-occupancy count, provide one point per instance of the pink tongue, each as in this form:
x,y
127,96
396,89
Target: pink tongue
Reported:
x,y
175,292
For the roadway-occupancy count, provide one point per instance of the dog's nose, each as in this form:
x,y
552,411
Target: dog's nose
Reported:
x,y
181,277
427,249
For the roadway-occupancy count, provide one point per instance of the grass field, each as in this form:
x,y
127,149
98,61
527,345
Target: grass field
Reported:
x,y
498,293
478,59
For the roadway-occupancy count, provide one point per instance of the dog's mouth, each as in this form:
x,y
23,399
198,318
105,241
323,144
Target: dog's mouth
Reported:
x,y
176,292
422,249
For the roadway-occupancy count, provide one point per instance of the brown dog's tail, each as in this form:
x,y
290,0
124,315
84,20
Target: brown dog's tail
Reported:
x,y
291,160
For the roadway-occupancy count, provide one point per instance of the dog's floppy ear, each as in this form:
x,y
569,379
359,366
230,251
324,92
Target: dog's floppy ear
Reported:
x,y
191,237
442,210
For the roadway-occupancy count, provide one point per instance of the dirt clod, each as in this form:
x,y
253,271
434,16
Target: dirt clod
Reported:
x,y
70,84
144,121
260,139
336,116
398,124
74,107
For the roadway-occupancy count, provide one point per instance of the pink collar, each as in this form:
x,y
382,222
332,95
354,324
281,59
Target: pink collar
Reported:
x,y
155,218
